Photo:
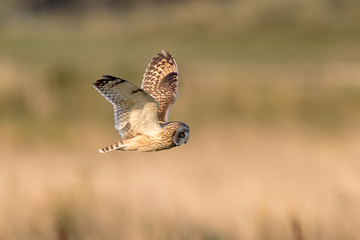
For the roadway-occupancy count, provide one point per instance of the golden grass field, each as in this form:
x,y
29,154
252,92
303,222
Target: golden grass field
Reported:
x,y
274,113
226,183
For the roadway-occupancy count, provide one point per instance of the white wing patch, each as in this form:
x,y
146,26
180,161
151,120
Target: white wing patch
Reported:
x,y
135,110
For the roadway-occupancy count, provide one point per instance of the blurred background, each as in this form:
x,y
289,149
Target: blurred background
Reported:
x,y
270,90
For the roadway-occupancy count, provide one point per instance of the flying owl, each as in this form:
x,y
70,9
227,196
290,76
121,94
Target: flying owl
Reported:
x,y
141,114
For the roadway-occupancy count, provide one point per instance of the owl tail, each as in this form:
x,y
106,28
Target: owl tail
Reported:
x,y
112,147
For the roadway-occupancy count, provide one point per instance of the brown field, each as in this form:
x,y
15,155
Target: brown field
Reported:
x,y
274,112
241,176
227,183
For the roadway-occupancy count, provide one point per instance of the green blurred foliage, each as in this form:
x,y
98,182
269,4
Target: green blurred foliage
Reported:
x,y
258,62
249,72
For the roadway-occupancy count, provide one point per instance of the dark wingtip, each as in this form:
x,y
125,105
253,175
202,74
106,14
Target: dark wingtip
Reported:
x,y
97,83
100,82
109,77
105,79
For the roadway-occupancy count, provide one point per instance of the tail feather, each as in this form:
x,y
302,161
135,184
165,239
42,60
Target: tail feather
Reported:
x,y
112,147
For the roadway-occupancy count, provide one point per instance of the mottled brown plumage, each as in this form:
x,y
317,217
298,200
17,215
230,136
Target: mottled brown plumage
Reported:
x,y
141,114
161,82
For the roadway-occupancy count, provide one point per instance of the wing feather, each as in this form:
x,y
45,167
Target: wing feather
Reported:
x,y
135,111
161,82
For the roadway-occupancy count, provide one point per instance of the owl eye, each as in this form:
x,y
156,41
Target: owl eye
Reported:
x,y
181,135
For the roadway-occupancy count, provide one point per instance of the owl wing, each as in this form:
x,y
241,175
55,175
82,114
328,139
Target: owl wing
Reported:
x,y
135,110
161,82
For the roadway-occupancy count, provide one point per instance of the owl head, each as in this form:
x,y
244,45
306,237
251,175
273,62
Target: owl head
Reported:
x,y
181,135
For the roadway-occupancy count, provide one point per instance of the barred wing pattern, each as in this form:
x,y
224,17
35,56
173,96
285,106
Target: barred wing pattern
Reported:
x,y
135,110
161,82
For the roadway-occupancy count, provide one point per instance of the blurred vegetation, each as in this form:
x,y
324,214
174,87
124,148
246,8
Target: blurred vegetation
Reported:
x,y
249,72
52,50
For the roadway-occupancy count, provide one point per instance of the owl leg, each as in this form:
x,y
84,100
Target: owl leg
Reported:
x,y
112,147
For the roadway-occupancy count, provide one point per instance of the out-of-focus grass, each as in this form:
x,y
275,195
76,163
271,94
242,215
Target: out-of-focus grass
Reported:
x,y
270,90
226,183
315,96
258,61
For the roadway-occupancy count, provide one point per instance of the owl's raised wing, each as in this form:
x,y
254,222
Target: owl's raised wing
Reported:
x,y
135,110
161,82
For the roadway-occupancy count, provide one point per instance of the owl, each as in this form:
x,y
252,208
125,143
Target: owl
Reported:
x,y
141,114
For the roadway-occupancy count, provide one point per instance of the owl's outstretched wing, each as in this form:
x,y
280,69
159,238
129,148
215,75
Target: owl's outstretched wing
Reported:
x,y
161,82
135,110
